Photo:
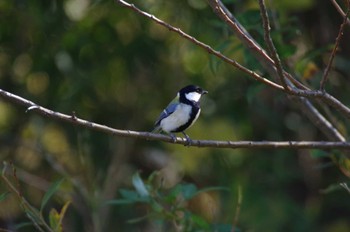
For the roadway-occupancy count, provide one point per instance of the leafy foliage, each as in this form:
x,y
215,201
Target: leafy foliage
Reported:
x,y
167,205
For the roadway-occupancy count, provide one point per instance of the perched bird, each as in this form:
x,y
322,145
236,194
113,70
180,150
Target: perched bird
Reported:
x,y
181,113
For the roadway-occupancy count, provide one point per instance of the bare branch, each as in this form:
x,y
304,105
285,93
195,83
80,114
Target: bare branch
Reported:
x,y
318,120
308,109
260,54
202,45
159,137
246,39
271,47
340,10
335,48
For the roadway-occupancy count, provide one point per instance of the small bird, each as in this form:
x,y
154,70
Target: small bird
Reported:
x,y
181,113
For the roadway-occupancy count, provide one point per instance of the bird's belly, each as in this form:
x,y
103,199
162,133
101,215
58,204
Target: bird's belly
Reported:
x,y
177,119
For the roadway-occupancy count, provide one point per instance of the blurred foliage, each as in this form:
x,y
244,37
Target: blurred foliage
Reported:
x,y
112,66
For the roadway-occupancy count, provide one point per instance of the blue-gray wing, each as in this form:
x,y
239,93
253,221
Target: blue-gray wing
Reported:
x,y
168,111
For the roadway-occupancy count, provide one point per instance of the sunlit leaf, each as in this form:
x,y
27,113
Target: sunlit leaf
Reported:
x,y
139,185
54,219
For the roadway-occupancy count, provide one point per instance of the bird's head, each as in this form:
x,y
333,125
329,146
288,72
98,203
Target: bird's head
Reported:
x,y
192,93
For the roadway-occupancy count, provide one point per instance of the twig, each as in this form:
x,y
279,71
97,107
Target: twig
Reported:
x,y
238,209
340,10
335,48
244,36
312,113
33,214
271,47
202,45
31,106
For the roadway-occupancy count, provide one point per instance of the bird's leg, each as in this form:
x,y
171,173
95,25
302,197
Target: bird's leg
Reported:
x,y
189,141
173,137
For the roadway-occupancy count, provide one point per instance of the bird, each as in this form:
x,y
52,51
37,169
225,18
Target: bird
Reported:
x,y
181,113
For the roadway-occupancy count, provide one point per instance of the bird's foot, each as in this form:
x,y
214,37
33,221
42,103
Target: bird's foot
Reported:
x,y
188,140
173,137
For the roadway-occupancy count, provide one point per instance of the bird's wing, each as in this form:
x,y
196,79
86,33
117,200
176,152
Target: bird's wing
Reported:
x,y
168,110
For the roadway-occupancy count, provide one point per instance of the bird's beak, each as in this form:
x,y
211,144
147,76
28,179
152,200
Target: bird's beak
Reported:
x,y
204,92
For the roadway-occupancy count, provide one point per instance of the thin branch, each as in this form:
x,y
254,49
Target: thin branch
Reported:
x,y
302,91
244,36
270,45
238,208
335,48
247,39
73,119
202,45
340,10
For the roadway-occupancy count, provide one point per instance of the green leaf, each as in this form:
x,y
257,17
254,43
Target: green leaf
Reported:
x,y
135,220
128,194
22,225
203,224
139,185
223,228
50,192
3,196
120,202
188,191
54,218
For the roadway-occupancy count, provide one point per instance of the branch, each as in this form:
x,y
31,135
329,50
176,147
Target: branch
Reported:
x,y
202,45
308,109
244,36
339,9
72,119
267,62
270,45
335,48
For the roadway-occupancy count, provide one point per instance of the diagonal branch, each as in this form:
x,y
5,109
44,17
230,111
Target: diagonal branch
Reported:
x,y
271,47
243,35
340,10
308,109
335,48
266,61
72,119
202,45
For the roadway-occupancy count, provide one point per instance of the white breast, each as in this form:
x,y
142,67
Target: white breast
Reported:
x,y
180,117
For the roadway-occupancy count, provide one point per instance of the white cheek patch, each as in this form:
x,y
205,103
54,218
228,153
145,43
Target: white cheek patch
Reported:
x,y
193,96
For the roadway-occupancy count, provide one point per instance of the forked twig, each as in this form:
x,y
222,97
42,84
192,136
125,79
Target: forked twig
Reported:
x,y
340,10
270,45
335,48
202,45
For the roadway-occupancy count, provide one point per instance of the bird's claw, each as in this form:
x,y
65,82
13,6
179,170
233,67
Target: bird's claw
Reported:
x,y
188,140
173,137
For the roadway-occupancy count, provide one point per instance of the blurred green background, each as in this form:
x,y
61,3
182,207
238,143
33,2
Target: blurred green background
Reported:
x,y
112,66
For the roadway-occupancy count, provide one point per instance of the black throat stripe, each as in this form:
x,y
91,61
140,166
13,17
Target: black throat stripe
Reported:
x,y
194,112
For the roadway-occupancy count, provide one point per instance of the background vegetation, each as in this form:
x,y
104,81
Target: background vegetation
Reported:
x,y
111,66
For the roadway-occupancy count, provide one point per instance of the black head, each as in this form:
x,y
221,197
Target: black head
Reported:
x,y
191,93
